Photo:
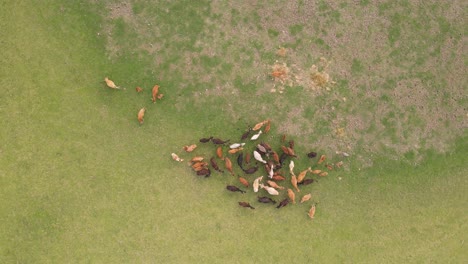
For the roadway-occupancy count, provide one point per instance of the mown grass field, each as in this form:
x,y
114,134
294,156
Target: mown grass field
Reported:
x,y
83,182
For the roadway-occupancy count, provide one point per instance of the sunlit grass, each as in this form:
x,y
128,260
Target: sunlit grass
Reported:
x,y
82,181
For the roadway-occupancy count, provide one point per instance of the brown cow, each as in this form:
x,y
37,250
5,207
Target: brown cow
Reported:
x,y
292,196
246,205
141,115
322,159
268,126
302,175
233,188
218,141
307,181
278,177
294,183
138,89
219,152
265,199
283,203
155,93
228,164
204,172
204,140
244,182
215,165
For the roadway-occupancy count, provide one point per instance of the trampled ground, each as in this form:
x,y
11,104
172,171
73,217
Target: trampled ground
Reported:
x,y
83,182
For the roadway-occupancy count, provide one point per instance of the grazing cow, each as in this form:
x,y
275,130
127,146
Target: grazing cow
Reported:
x,y
270,166
247,158
306,198
176,158
215,165
111,84
312,211
267,147
138,89
246,134
294,183
219,152
251,170
234,151
283,138
291,167
316,172
236,145
291,144
259,125
275,185
329,166
261,149
197,159
270,190
240,159
291,196
218,141
155,92
199,165
244,182
265,199
322,159
312,154
282,158
288,151
233,188
275,157
283,203
302,175
228,164
339,164
256,183
278,177
141,115
204,140
258,157
255,137
323,174
204,172
190,148
246,204
306,181
268,126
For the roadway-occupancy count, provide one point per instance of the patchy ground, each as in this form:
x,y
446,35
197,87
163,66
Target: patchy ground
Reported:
x,y
390,77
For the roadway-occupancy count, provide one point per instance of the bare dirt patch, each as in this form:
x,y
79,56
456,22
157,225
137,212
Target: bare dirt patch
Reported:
x,y
392,82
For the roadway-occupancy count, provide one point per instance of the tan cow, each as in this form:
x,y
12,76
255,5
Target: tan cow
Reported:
x,y
306,198
111,84
228,164
275,185
190,148
291,196
141,115
155,92
312,211
294,182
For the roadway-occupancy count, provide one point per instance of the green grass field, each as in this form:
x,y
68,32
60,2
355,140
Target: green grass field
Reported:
x,y
83,182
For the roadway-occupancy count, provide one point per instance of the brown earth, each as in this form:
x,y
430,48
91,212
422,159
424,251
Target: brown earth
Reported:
x,y
400,82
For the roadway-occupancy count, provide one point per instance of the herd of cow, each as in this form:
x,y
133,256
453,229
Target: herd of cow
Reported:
x,y
264,157
274,182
